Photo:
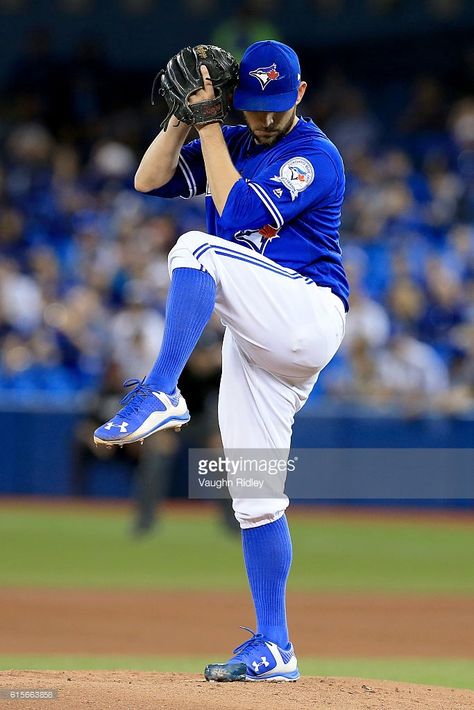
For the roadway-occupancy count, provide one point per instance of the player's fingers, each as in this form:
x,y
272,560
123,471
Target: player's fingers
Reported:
x,y
208,86
205,74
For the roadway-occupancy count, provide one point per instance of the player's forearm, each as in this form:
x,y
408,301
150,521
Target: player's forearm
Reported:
x,y
220,170
160,160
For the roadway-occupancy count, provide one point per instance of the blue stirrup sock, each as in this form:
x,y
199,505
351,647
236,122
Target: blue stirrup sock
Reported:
x,y
189,306
267,554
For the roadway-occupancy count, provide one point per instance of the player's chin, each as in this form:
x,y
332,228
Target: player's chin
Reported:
x,y
266,137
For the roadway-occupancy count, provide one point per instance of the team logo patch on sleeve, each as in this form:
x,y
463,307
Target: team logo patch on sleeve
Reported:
x,y
266,74
296,175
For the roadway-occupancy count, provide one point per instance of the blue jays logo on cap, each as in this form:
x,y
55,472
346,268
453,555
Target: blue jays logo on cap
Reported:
x,y
266,74
269,78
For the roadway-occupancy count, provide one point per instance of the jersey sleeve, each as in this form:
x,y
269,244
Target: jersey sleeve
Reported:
x,y
282,191
190,176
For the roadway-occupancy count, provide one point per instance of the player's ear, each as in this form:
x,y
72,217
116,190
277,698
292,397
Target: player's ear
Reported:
x,y
301,91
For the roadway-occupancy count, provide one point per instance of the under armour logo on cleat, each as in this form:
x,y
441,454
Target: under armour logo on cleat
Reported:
x,y
263,662
123,426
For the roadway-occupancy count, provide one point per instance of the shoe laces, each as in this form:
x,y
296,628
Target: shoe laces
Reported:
x,y
255,640
134,398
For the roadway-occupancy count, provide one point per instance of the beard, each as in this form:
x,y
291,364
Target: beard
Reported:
x,y
277,131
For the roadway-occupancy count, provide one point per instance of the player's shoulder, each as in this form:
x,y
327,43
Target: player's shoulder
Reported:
x,y
310,138
308,150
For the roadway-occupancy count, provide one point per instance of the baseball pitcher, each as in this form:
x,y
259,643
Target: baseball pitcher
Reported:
x,y
270,265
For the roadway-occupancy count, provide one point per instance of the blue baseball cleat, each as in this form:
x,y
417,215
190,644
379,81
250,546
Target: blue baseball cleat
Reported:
x,y
256,659
146,411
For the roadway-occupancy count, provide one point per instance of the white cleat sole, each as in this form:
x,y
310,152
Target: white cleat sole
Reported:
x,y
237,673
142,433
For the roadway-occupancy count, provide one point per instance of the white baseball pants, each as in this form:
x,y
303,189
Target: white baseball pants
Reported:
x,y
281,330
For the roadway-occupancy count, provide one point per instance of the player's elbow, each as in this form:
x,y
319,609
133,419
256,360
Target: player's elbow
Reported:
x,y
145,183
142,185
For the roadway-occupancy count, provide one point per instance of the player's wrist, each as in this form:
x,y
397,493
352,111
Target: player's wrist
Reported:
x,y
209,128
179,126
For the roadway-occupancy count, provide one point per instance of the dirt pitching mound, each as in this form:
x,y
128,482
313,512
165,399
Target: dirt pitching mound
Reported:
x,y
117,690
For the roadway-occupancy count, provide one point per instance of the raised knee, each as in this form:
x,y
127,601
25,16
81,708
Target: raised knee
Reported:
x,y
186,249
187,242
191,240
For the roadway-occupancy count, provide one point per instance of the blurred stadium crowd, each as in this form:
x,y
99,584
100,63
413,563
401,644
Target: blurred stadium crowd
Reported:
x,y
83,270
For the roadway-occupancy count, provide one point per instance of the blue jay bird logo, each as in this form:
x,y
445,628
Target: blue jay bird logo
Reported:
x,y
257,239
297,173
266,74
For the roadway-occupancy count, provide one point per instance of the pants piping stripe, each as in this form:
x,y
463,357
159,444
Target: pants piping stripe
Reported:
x,y
222,251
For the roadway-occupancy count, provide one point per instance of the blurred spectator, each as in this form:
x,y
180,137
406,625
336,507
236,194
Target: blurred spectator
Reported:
x,y
351,125
85,453
411,372
136,333
427,109
445,306
20,298
368,321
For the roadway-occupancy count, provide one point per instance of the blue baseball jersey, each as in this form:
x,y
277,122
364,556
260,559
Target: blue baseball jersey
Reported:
x,y
286,205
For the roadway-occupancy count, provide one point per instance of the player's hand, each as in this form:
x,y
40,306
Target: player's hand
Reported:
x,y
197,94
206,94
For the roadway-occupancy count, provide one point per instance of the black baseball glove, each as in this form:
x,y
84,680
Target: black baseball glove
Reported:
x,y
182,77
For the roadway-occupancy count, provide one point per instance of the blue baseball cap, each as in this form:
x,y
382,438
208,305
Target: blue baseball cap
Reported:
x,y
269,77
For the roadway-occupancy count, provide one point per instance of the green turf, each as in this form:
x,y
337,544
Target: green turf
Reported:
x,y
94,549
452,673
